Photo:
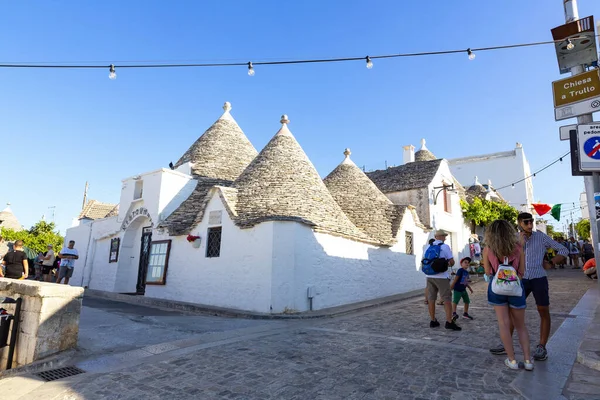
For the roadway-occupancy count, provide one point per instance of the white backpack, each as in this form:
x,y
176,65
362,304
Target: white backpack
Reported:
x,y
506,282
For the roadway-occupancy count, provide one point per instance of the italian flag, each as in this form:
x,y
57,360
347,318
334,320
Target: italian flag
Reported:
x,y
542,209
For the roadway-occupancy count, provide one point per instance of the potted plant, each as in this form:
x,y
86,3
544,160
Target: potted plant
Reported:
x,y
194,240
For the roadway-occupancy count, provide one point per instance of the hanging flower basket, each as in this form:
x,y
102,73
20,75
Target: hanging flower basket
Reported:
x,y
194,240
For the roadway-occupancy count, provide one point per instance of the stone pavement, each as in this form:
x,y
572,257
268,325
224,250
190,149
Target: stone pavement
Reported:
x,y
384,353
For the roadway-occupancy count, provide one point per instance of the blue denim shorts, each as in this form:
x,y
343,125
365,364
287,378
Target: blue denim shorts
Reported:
x,y
511,301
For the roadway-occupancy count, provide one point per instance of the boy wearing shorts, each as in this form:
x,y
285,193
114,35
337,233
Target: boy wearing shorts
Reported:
x,y
460,284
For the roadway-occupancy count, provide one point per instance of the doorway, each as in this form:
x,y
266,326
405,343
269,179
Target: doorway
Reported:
x,y
144,259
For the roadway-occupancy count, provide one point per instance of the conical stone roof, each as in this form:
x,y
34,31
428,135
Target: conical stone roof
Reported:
x,y
476,190
222,152
8,220
282,184
369,209
424,154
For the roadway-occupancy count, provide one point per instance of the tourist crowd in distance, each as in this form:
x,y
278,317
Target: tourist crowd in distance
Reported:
x,y
514,261
47,266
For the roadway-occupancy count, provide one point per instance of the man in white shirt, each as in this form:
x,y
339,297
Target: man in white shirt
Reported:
x,y
441,283
67,255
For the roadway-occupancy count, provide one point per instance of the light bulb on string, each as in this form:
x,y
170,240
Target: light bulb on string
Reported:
x,y
560,159
570,45
250,69
470,54
112,74
513,185
534,175
369,62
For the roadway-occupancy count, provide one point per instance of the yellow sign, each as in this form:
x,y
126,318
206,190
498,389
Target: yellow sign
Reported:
x,y
576,88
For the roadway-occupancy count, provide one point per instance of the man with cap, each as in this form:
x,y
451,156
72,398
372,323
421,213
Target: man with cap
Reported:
x,y
440,282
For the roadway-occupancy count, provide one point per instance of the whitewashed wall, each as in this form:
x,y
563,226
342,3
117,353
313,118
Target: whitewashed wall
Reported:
x,y
502,169
85,237
451,221
267,268
240,278
341,271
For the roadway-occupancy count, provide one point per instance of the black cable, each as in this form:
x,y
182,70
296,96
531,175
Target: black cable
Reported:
x,y
536,172
280,62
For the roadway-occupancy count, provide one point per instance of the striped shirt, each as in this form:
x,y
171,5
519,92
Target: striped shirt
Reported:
x,y
535,250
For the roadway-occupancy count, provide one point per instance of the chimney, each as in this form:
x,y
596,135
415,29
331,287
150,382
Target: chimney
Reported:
x,y
409,154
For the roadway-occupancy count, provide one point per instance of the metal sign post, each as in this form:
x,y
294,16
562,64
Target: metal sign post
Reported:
x,y
577,63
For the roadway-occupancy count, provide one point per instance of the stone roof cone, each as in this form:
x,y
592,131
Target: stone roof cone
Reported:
x,y
222,152
282,184
424,154
9,220
476,190
369,209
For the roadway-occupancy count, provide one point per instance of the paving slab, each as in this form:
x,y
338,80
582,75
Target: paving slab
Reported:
x,y
388,352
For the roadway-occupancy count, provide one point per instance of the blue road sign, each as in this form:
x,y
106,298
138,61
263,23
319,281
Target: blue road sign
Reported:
x,y
591,147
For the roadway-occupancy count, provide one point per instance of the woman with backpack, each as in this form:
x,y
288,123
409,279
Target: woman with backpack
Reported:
x,y
504,248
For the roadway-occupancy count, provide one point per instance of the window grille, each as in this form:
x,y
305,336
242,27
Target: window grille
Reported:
x,y
409,243
213,242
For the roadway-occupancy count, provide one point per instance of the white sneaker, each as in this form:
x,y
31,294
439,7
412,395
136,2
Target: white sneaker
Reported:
x,y
511,364
528,365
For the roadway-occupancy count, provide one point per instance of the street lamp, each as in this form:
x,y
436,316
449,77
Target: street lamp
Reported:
x,y
450,188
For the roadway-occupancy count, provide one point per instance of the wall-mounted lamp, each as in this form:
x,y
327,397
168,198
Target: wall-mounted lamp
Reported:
x,y
450,188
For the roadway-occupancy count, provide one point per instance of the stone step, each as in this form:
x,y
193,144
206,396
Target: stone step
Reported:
x,y
583,384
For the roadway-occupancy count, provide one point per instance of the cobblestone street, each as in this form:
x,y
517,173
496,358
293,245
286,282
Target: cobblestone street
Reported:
x,y
384,353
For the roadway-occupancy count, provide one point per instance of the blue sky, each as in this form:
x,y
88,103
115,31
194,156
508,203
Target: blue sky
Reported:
x,y
60,128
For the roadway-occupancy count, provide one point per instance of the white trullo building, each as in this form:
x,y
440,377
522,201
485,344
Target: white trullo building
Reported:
x,y
263,232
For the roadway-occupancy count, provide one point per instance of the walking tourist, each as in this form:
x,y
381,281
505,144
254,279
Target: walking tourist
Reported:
x,y
48,264
460,284
535,280
15,262
574,251
503,244
67,255
588,250
440,282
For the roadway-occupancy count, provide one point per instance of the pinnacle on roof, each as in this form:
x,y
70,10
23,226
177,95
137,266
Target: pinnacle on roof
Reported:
x,y
369,209
424,154
9,220
476,190
222,152
282,184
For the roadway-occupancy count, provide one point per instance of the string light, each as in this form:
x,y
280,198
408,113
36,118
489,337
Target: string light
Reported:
x,y
174,64
570,45
369,63
560,159
112,74
513,185
470,54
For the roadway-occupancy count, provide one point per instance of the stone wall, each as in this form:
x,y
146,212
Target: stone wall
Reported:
x,y
49,319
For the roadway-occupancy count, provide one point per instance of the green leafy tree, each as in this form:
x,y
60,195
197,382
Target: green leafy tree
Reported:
x,y
37,238
550,230
583,229
483,212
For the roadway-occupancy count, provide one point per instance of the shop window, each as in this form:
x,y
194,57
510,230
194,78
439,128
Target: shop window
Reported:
x,y
158,262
